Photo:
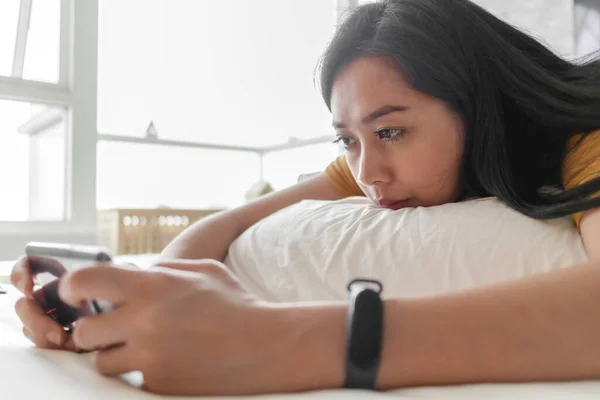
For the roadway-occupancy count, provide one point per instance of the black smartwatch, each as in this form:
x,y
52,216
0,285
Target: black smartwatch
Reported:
x,y
364,334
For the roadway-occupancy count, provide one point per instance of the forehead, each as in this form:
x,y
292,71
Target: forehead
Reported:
x,y
368,81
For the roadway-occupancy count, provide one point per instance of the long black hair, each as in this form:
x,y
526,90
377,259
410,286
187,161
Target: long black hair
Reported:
x,y
519,101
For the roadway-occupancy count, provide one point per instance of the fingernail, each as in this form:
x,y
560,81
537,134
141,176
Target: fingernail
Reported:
x,y
54,337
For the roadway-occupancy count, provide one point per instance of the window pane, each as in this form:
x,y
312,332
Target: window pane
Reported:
x,y
43,42
32,161
149,176
282,168
9,19
229,71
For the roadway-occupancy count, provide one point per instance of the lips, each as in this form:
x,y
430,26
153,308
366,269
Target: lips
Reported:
x,y
394,204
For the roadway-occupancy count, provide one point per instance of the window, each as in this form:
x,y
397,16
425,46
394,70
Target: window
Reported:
x,y
48,61
34,156
33,142
41,61
30,39
37,110
228,73
9,18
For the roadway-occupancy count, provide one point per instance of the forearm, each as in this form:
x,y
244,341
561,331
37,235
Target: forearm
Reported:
x,y
207,238
541,328
545,327
212,236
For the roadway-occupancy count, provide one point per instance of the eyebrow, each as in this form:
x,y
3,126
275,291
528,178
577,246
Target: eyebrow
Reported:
x,y
380,112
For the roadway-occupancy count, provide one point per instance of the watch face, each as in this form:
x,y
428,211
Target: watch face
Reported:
x,y
367,329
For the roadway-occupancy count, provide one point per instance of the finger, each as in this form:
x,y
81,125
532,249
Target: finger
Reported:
x,y
45,329
38,265
70,344
43,343
39,341
20,277
108,283
27,268
104,330
115,361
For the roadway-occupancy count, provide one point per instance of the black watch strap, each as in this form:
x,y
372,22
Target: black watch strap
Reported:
x,y
364,334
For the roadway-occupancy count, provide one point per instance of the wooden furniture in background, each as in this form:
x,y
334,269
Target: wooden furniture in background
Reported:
x,y
143,231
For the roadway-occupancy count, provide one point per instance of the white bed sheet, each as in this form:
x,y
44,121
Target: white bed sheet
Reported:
x,y
30,373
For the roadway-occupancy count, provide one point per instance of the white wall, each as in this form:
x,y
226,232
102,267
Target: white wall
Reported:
x,y
551,21
282,168
548,20
229,71
149,176
587,22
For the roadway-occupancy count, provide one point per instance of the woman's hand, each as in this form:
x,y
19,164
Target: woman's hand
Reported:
x,y
190,328
37,326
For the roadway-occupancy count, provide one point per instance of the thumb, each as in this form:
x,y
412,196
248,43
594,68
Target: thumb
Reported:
x,y
105,282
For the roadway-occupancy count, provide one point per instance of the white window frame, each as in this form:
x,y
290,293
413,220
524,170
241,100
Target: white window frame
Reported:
x,y
77,91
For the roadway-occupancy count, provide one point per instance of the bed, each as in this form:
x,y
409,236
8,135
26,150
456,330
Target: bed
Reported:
x,y
307,251
28,373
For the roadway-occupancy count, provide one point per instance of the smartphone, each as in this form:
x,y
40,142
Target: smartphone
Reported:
x,y
49,262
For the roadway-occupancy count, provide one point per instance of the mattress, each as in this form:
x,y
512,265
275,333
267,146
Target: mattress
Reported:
x,y
31,373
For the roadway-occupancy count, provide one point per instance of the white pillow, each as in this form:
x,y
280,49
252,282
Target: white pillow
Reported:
x,y
311,250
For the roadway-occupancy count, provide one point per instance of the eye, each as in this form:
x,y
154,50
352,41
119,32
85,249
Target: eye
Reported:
x,y
390,135
345,141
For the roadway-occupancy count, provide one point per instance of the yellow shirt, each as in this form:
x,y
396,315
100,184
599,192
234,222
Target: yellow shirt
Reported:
x,y
581,164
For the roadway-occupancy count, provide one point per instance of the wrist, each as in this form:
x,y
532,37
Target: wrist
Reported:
x,y
315,354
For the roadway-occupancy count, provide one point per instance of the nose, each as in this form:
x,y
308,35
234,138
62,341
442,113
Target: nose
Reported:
x,y
373,167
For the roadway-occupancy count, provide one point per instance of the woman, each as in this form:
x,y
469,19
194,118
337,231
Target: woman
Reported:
x,y
434,102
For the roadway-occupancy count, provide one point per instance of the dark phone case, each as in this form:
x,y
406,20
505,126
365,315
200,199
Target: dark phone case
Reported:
x,y
40,257
47,298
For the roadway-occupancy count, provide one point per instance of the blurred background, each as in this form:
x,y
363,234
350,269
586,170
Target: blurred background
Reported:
x,y
123,121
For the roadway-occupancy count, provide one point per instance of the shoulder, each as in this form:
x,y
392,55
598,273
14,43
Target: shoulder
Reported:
x,y
339,175
582,159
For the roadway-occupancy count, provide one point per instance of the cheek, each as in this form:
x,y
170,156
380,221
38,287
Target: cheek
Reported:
x,y
433,172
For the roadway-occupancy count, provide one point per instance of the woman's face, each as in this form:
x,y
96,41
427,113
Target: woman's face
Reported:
x,y
404,147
